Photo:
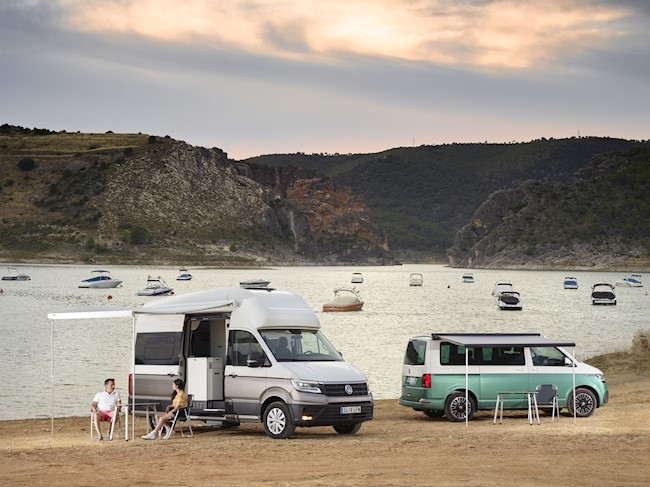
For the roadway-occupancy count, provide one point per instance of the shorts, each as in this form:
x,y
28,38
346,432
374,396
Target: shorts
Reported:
x,y
105,415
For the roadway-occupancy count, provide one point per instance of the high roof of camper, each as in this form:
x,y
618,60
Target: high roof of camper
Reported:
x,y
259,307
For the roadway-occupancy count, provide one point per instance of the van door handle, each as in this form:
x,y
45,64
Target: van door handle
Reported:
x,y
232,374
172,375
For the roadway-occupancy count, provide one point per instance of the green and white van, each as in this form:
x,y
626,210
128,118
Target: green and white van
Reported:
x,y
437,368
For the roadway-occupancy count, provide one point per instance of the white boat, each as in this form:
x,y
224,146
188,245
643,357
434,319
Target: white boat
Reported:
x,y
14,275
500,287
603,293
345,299
416,279
255,284
468,277
100,279
570,283
357,278
631,281
156,286
184,275
509,300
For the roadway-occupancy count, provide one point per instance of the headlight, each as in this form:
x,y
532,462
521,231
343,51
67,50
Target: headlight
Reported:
x,y
306,386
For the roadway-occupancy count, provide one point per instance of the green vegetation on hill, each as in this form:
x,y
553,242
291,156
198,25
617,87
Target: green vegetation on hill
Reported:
x,y
422,196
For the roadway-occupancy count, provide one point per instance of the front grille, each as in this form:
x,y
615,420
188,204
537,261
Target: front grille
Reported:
x,y
334,390
332,412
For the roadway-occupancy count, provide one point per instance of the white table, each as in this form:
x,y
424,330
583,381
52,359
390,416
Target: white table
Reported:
x,y
533,412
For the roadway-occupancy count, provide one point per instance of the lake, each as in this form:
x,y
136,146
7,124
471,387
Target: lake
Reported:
x,y
88,351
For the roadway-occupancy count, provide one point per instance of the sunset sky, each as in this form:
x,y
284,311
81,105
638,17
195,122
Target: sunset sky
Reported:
x,y
337,76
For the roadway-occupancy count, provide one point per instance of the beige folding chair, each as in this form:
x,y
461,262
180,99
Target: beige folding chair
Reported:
x,y
182,416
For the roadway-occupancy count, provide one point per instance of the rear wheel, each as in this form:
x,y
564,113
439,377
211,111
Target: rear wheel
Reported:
x,y
434,413
456,407
585,403
277,421
347,429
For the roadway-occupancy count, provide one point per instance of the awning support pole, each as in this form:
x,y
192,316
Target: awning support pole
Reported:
x,y
52,376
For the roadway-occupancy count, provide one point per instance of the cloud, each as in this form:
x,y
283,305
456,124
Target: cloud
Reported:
x,y
495,34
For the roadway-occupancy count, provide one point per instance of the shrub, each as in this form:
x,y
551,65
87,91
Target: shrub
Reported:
x,y
139,235
26,164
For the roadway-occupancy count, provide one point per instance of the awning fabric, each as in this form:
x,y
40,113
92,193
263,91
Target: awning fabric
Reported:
x,y
501,340
114,312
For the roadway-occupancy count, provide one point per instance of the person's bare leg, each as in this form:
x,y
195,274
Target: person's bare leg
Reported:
x,y
97,420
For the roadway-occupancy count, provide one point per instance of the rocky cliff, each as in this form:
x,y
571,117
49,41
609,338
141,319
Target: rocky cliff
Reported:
x,y
599,220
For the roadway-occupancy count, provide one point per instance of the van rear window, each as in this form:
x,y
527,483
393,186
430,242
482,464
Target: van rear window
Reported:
x,y
415,353
158,348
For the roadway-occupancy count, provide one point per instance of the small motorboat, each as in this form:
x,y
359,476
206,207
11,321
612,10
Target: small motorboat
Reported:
x,y
603,293
416,279
631,281
357,278
14,275
255,284
500,287
345,299
468,277
570,283
509,300
100,279
156,286
184,275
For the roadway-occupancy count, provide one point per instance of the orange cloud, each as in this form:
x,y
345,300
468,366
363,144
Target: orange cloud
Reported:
x,y
499,34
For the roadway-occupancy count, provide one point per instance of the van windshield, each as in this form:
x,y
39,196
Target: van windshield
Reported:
x,y
296,345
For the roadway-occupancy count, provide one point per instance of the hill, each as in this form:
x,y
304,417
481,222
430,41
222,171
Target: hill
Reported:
x,y
422,196
135,198
600,219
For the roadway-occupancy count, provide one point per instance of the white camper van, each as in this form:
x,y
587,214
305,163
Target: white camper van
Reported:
x,y
247,355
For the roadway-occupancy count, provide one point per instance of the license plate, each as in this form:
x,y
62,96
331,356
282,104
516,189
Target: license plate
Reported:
x,y
411,381
350,409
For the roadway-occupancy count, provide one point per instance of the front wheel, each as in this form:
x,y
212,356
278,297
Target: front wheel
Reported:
x,y
585,403
347,429
277,421
456,408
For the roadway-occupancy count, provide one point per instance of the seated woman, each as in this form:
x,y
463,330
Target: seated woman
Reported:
x,y
179,401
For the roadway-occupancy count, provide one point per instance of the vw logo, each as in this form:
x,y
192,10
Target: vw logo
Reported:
x,y
348,389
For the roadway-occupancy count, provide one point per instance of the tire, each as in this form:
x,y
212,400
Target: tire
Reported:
x,y
434,413
347,429
455,407
585,403
277,421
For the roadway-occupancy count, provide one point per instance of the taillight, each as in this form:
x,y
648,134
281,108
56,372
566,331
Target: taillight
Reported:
x,y
426,381
130,384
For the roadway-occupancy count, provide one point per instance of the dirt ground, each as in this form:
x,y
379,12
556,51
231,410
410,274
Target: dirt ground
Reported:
x,y
399,447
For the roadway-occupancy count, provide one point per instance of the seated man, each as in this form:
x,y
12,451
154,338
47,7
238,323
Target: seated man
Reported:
x,y
104,405
282,350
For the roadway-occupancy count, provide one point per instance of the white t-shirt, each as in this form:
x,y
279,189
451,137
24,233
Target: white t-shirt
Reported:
x,y
106,401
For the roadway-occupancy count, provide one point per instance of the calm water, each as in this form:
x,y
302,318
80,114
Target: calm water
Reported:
x,y
88,351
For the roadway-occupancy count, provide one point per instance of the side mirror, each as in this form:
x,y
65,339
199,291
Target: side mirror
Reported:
x,y
255,359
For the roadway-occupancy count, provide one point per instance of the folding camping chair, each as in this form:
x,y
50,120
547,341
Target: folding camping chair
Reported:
x,y
182,416
115,421
547,396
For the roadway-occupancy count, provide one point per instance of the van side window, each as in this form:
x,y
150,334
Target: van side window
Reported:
x,y
240,344
158,348
415,353
509,356
452,354
547,356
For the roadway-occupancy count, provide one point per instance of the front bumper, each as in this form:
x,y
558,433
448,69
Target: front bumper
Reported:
x,y
330,414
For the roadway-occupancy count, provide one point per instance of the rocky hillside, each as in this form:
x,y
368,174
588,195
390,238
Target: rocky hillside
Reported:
x,y
601,219
134,198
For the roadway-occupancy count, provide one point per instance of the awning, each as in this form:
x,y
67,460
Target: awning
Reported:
x,y
156,309
501,340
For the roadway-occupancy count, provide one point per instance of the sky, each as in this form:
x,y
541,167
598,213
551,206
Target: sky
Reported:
x,y
255,77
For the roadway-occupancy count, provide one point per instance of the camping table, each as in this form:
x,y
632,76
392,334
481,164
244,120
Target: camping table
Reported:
x,y
533,412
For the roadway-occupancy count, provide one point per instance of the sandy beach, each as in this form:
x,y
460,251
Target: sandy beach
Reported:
x,y
399,447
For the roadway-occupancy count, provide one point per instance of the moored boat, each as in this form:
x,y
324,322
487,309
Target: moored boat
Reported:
x,y
501,287
603,293
156,286
184,275
509,300
357,278
345,299
14,275
468,277
100,279
631,281
570,283
416,279
255,284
